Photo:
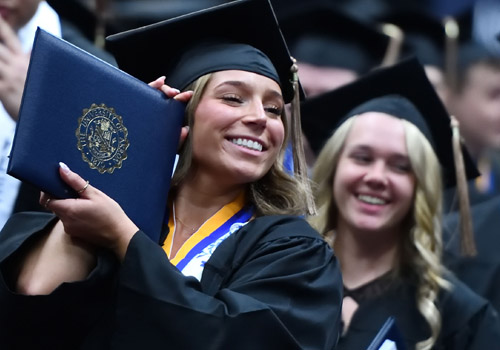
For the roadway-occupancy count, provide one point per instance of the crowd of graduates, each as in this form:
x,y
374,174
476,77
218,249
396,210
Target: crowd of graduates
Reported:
x,y
400,139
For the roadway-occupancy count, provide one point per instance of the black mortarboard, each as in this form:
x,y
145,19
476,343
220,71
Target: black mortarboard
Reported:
x,y
402,90
242,35
321,34
424,35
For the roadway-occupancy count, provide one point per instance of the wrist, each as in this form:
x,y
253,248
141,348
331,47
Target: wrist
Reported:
x,y
121,244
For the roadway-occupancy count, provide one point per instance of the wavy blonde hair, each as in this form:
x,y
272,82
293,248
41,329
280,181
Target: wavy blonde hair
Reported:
x,y
421,248
277,193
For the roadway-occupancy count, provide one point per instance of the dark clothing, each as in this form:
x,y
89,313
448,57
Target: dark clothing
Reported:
x,y
274,284
481,272
468,321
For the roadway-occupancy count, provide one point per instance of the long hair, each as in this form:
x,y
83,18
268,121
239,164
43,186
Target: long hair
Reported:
x,y
277,192
421,246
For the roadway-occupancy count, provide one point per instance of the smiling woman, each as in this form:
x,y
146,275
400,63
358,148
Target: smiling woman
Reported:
x,y
237,258
374,180
379,190
240,106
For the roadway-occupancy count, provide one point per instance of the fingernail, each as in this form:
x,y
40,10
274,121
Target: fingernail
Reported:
x,y
176,90
64,167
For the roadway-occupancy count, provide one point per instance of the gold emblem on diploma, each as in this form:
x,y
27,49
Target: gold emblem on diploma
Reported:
x,y
102,138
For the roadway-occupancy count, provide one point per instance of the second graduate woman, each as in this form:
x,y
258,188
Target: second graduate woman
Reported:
x,y
239,268
379,200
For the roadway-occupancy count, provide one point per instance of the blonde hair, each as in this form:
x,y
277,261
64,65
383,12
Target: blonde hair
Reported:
x,y
422,246
276,193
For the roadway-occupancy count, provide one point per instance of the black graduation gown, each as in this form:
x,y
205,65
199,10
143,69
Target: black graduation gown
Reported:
x,y
468,321
274,284
481,272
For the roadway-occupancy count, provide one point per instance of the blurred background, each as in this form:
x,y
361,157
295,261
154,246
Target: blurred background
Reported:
x,y
98,18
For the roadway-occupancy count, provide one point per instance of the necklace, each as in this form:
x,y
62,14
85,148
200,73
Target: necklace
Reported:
x,y
186,226
177,219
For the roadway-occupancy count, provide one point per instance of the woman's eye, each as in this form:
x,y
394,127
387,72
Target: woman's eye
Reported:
x,y
232,98
274,110
402,167
361,158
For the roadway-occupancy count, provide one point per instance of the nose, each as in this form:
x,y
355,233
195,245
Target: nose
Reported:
x,y
256,115
376,175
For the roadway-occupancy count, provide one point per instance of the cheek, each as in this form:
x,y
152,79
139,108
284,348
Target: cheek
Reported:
x,y
277,132
407,190
340,185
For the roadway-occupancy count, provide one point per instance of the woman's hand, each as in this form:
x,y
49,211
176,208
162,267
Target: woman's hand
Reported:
x,y
175,94
94,217
170,91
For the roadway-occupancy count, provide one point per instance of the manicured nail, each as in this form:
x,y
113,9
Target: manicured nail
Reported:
x,y
64,167
176,90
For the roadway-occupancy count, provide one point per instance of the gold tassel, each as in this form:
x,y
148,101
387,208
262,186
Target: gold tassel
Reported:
x,y
395,44
467,243
452,32
299,163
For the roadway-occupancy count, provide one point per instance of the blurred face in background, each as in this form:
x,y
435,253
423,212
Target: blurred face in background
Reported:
x,y
477,108
18,12
316,80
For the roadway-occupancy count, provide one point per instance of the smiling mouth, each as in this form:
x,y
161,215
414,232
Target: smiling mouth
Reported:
x,y
250,144
371,200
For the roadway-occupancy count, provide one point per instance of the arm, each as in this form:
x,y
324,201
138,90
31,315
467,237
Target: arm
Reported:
x,y
281,294
13,69
43,264
56,321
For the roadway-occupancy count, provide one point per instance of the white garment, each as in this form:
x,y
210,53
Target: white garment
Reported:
x,y
46,18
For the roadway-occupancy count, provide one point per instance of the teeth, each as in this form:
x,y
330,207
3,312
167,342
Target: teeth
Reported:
x,y
371,200
248,144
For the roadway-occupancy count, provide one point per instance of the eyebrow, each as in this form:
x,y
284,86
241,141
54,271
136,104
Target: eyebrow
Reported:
x,y
362,147
239,83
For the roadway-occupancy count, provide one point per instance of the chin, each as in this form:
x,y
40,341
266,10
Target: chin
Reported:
x,y
372,226
249,172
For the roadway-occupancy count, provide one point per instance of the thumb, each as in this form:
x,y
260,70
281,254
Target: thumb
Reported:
x,y
74,180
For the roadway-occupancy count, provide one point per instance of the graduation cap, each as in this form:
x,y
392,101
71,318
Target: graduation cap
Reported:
x,y
242,35
424,35
321,34
402,90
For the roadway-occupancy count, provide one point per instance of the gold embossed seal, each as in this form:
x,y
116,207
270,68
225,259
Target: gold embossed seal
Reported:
x,y
102,138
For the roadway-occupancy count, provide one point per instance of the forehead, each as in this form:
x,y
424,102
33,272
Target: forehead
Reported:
x,y
483,74
378,130
248,78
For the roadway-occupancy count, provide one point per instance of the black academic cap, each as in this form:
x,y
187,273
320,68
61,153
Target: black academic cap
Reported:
x,y
424,35
242,35
321,34
402,90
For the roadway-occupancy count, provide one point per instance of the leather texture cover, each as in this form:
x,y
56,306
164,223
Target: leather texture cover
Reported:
x,y
111,128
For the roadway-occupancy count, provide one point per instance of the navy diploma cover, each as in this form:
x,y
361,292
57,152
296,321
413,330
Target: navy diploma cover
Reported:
x,y
389,337
109,127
